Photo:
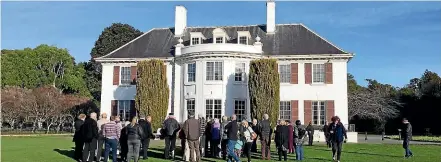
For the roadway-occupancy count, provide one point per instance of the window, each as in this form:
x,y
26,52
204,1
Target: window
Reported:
x,y
124,109
285,110
213,108
318,112
125,75
243,40
190,106
318,73
285,73
214,71
191,72
239,75
195,41
219,39
240,109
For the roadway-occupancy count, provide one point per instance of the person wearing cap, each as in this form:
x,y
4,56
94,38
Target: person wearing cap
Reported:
x,y
171,127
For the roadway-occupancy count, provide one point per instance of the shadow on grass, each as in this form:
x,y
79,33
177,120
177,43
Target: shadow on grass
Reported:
x,y
159,153
361,153
67,153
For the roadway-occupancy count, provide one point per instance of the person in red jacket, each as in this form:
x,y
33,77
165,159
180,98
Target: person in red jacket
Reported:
x,y
290,137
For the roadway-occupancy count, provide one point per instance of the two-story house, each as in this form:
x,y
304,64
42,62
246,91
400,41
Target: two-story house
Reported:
x,y
207,70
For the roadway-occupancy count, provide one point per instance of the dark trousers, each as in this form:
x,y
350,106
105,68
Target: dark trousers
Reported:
x,y
406,147
247,149
145,147
328,141
254,146
202,148
207,150
99,151
336,148
124,149
193,145
214,147
224,143
265,147
78,149
89,150
111,144
282,153
170,144
311,138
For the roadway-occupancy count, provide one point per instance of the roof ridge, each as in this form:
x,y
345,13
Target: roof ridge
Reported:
x,y
238,25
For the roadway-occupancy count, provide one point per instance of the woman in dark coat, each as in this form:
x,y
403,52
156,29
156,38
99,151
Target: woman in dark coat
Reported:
x,y
290,137
282,134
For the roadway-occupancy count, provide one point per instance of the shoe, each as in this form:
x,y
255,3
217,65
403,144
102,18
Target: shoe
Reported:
x,y
334,158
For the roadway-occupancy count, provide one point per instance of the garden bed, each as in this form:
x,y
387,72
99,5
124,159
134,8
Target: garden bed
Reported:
x,y
420,138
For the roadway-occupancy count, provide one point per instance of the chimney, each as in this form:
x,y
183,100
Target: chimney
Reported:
x,y
180,20
270,16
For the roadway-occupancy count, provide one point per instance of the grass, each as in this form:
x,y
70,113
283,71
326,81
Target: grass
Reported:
x,y
421,138
59,149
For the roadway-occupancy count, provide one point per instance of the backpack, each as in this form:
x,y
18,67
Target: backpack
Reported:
x,y
302,132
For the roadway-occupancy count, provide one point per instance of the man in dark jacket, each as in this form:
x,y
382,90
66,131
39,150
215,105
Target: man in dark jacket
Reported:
x,y
147,128
337,132
77,137
192,131
282,135
265,137
310,130
89,133
171,127
232,129
326,132
407,136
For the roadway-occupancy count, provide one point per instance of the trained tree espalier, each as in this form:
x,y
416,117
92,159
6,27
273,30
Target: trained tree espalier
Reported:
x,y
152,91
264,88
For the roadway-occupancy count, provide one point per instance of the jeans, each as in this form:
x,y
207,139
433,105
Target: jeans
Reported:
x,y
134,147
145,147
231,152
110,144
299,152
336,147
406,148
170,143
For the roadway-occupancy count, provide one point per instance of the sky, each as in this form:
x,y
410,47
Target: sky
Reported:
x,y
393,42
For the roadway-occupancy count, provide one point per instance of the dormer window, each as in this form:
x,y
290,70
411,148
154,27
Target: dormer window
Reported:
x,y
196,38
243,37
219,36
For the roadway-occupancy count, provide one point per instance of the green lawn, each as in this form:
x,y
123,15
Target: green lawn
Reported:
x,y
59,149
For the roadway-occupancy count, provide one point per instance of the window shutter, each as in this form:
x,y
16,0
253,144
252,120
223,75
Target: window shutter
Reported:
x,y
308,111
308,73
133,75
330,111
328,70
294,73
116,75
294,110
132,109
114,107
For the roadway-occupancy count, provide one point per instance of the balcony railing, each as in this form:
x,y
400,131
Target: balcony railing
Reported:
x,y
222,47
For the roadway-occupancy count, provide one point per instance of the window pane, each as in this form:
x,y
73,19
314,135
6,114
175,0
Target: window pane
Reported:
x,y
191,72
125,75
318,71
195,41
285,110
243,40
124,109
219,39
240,109
217,109
209,109
285,73
239,72
218,71
190,106
210,71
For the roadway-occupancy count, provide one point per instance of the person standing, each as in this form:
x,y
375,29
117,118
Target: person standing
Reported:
x,y
232,129
171,127
134,135
337,132
265,137
207,146
290,137
310,130
224,137
299,139
249,136
192,130
111,132
103,120
407,136
147,128
282,140
89,133
202,138
255,129
123,141
215,138
77,137
326,132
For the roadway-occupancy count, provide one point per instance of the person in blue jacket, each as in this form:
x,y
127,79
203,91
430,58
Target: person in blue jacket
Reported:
x,y
338,135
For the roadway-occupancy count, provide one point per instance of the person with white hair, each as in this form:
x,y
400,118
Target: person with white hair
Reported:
x,y
89,132
101,140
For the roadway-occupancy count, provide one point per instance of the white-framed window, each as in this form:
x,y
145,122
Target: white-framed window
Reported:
x,y
191,106
195,40
318,112
191,72
126,76
285,73
219,39
213,108
318,73
239,72
240,109
243,40
285,110
214,71
124,110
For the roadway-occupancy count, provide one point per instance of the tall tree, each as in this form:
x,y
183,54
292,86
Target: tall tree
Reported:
x,y
110,39
264,88
152,91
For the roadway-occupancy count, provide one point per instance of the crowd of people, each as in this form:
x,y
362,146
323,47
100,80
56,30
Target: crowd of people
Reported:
x,y
227,139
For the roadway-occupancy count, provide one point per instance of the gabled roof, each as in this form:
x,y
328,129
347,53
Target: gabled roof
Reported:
x,y
289,39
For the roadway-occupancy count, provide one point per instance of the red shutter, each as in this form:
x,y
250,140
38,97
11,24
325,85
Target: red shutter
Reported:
x,y
328,70
294,73
308,111
132,109
133,74
114,107
308,73
330,110
294,110
116,75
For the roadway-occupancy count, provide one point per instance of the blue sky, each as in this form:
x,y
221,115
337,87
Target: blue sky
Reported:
x,y
393,41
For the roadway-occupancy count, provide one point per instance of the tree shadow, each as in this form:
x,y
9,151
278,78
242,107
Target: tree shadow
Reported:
x,y
159,153
67,153
361,153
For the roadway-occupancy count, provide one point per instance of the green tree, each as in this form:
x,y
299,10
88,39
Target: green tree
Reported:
x,y
152,91
111,38
264,88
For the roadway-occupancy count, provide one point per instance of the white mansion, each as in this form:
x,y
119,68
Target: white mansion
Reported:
x,y
207,69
